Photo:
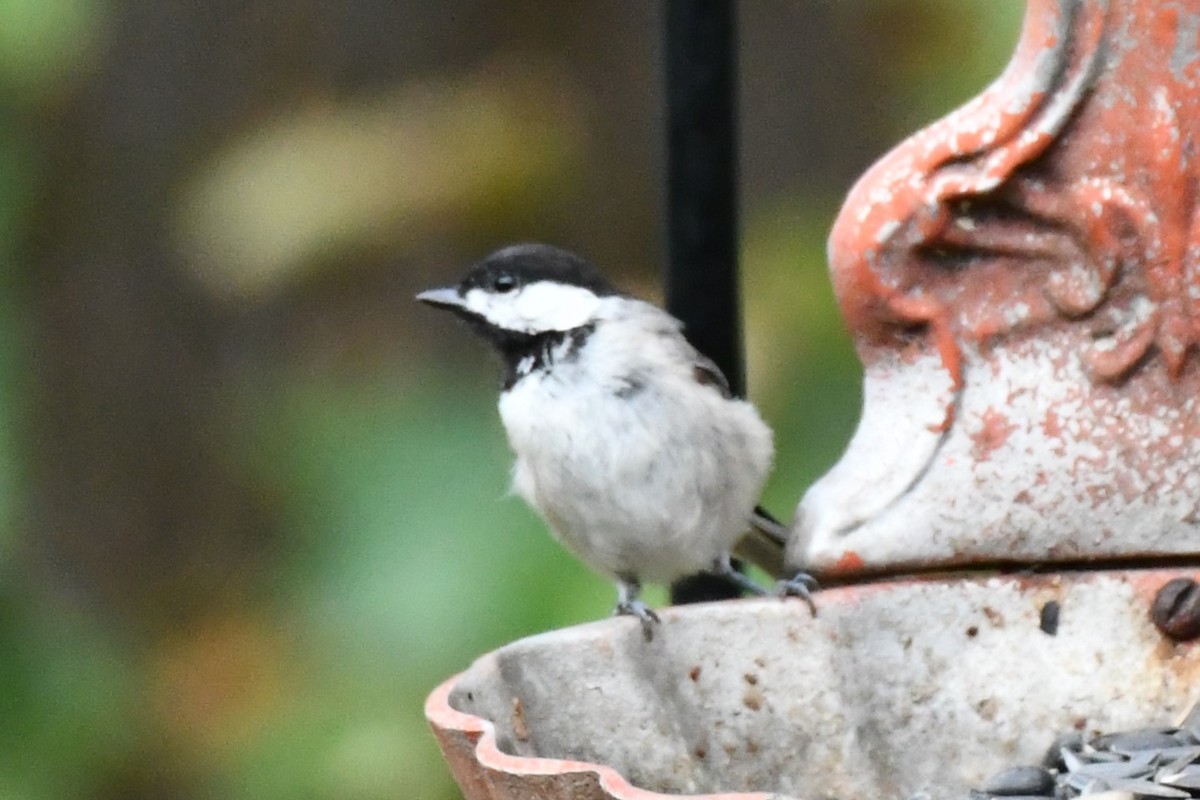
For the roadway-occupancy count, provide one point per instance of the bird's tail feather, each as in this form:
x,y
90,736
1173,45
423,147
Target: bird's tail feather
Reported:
x,y
765,543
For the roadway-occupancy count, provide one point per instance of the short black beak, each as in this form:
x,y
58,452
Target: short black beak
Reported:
x,y
442,298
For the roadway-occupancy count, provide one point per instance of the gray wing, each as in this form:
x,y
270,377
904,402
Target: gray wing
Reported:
x,y
766,540
707,373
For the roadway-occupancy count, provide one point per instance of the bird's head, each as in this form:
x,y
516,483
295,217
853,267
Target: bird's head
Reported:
x,y
524,291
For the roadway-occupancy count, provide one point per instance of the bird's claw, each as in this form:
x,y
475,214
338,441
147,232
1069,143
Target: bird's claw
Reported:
x,y
799,585
644,614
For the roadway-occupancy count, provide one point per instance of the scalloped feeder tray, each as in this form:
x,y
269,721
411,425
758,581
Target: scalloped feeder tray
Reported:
x,y
893,689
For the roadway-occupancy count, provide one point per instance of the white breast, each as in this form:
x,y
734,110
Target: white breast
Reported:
x,y
637,468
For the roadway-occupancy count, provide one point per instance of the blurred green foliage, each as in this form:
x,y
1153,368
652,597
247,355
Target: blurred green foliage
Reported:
x,y
42,41
405,557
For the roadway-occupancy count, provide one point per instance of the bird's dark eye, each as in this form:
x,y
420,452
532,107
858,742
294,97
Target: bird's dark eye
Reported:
x,y
504,282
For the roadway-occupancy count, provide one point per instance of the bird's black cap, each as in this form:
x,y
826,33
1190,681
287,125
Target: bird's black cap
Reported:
x,y
521,264
509,269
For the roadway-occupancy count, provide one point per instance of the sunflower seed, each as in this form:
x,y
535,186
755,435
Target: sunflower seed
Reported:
x,y
1191,723
1130,742
1186,778
1109,771
1147,788
1016,781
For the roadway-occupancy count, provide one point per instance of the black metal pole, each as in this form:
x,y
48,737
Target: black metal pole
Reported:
x,y
702,229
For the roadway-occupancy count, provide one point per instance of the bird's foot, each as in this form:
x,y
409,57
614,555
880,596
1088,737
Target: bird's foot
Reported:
x,y
636,608
799,585
629,605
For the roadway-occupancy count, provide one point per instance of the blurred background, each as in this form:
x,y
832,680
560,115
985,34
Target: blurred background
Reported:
x,y
253,498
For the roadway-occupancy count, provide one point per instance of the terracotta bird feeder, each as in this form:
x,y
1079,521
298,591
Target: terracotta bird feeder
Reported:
x,y
1015,525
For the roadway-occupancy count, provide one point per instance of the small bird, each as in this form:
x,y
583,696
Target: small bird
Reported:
x,y
628,441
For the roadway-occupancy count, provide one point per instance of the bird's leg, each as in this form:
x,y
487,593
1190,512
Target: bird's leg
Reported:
x,y
628,604
799,585
723,568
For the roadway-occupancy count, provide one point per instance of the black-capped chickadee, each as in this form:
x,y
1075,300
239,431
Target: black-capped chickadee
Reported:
x,y
628,442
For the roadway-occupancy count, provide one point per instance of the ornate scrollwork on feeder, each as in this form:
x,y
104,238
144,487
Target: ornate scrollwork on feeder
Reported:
x,y
1022,279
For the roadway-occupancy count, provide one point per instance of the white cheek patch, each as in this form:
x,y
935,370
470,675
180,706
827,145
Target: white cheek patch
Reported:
x,y
538,307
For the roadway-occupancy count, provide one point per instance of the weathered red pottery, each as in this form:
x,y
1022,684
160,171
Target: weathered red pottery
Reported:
x,y
1022,279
